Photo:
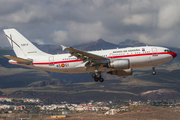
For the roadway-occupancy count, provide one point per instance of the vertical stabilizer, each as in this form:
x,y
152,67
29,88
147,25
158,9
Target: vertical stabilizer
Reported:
x,y
22,47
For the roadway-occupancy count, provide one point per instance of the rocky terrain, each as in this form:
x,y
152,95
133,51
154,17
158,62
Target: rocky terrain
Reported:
x,y
160,93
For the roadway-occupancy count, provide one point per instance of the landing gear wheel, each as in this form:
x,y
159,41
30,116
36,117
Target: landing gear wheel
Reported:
x,y
154,72
101,80
93,75
98,76
153,68
96,79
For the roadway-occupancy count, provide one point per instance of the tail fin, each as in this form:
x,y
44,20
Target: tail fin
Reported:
x,y
22,47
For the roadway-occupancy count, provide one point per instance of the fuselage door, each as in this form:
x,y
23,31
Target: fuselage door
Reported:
x,y
154,52
111,55
51,61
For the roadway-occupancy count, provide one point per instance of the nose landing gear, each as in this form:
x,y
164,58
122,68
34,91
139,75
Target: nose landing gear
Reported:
x,y
153,72
97,77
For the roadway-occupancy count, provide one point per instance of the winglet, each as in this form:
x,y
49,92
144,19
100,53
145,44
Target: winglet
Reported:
x,y
63,47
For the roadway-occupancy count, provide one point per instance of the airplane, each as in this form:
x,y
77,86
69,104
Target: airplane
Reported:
x,y
120,62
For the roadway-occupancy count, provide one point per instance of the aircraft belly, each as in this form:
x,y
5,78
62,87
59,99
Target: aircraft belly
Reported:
x,y
161,59
150,60
140,61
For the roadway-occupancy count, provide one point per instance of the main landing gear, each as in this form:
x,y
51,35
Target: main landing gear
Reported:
x,y
153,72
97,77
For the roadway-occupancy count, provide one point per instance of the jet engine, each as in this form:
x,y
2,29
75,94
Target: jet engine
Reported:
x,y
119,64
126,72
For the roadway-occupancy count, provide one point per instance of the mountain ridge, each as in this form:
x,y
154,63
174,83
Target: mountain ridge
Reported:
x,y
89,46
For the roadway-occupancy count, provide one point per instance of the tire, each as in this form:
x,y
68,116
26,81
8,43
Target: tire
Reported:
x,y
98,75
153,73
101,80
95,79
93,75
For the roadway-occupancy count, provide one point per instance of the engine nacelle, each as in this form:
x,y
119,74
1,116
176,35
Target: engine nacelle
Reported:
x,y
126,72
119,64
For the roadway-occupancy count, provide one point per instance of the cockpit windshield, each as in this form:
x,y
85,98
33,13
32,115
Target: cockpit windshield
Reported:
x,y
167,50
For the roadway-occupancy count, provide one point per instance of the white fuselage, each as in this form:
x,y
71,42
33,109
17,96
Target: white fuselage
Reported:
x,y
138,56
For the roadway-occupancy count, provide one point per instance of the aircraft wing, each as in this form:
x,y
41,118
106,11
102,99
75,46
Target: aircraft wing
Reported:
x,y
20,60
83,55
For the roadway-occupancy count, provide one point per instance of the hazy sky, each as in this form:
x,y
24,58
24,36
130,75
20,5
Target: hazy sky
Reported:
x,y
71,22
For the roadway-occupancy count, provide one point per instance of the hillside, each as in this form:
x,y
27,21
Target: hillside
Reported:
x,y
131,43
165,85
96,45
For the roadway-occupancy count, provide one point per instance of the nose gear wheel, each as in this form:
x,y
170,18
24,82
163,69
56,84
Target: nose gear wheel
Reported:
x,y
153,72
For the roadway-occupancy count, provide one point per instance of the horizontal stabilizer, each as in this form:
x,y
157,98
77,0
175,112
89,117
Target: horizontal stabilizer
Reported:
x,y
19,60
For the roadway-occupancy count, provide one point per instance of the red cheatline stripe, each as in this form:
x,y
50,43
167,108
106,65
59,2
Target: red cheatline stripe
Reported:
x,y
69,61
122,56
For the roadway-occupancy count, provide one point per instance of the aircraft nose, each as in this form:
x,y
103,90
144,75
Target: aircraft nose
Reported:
x,y
173,54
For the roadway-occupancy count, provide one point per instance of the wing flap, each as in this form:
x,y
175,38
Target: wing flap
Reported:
x,y
18,60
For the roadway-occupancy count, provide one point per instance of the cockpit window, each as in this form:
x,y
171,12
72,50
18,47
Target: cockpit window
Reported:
x,y
167,50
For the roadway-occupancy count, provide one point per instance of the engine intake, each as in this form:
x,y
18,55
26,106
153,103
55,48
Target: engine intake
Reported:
x,y
119,64
126,72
